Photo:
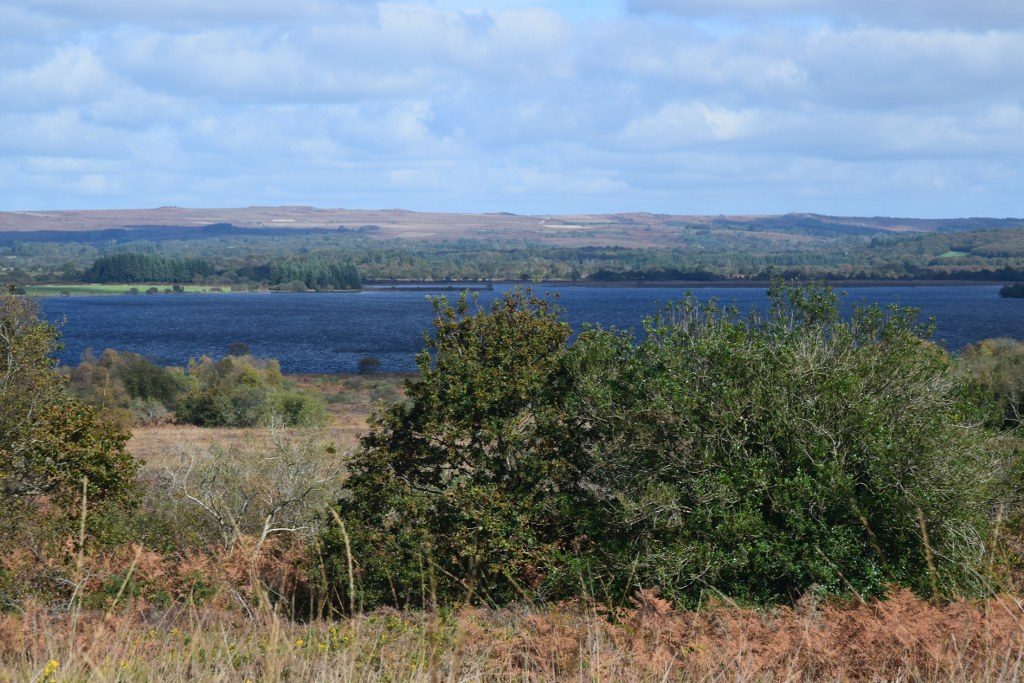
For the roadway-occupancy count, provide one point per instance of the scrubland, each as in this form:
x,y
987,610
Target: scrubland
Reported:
x,y
214,616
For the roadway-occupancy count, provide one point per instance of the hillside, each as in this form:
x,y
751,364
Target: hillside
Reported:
x,y
636,230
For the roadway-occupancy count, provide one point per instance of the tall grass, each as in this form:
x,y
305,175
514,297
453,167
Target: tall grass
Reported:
x,y
901,638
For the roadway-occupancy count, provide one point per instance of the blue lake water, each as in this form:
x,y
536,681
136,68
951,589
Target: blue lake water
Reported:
x,y
330,332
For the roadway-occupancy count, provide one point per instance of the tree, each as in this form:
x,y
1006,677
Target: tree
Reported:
x,y
452,477
997,367
759,457
257,490
239,349
49,440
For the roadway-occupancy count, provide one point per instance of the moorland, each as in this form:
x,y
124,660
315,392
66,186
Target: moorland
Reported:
x,y
301,248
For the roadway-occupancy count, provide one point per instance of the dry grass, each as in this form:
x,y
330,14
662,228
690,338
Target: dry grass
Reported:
x,y
350,401
903,638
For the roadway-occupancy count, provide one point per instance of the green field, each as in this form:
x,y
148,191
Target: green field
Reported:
x,y
79,290
954,254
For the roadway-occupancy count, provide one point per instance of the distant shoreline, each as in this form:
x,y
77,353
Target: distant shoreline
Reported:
x,y
763,284
680,284
47,290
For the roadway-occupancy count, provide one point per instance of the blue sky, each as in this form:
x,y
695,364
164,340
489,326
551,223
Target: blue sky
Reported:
x,y
862,107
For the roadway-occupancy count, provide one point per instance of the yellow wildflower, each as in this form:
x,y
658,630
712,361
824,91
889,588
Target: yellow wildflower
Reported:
x,y
50,669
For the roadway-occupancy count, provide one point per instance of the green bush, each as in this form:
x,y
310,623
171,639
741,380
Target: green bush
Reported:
x,y
49,440
760,457
123,384
997,367
242,391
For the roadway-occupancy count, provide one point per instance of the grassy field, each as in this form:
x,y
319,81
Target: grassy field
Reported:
x,y
91,289
350,400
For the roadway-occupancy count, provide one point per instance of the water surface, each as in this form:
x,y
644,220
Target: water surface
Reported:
x,y
330,332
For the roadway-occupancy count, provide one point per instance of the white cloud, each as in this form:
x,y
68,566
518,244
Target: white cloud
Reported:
x,y
71,75
767,106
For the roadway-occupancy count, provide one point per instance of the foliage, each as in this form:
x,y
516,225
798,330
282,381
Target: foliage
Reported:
x,y
997,366
758,457
237,391
457,472
316,272
50,441
136,267
127,386
902,638
239,349
252,490
368,365
243,391
764,456
788,246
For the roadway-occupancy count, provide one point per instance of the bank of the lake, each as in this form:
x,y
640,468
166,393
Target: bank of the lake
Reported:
x,y
101,289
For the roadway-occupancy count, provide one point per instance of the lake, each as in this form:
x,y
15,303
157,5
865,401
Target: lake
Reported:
x,y
330,332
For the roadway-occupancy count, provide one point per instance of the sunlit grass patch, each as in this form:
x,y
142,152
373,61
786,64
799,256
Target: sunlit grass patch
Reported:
x,y
91,289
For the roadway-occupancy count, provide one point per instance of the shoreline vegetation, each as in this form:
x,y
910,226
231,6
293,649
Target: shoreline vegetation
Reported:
x,y
93,289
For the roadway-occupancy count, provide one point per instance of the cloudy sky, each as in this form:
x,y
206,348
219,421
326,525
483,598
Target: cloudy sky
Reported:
x,y
866,107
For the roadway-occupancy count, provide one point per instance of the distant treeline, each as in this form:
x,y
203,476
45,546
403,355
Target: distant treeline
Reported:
x,y
315,272
341,259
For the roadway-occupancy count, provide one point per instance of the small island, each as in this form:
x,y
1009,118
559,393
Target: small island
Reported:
x,y
1012,291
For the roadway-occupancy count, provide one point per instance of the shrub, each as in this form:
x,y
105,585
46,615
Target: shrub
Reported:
x,y
759,457
149,412
459,476
49,440
1014,291
256,490
242,391
239,349
368,365
119,383
997,367
765,456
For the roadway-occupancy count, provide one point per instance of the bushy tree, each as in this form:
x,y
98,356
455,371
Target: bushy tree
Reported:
x,y
452,481
127,387
762,456
759,457
49,440
242,391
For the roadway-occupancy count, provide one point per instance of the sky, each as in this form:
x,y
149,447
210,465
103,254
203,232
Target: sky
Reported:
x,y
851,107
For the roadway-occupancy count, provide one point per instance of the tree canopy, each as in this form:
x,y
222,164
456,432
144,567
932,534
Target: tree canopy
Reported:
x,y
49,440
